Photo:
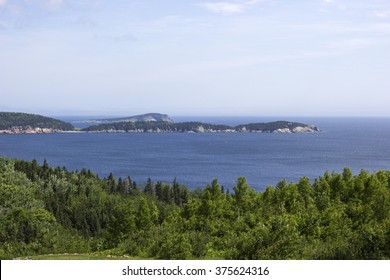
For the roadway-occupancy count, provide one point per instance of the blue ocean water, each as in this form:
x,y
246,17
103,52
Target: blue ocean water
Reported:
x,y
196,159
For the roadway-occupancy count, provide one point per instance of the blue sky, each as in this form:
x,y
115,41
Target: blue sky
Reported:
x,y
196,57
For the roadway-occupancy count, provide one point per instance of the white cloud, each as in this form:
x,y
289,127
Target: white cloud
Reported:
x,y
3,2
252,2
232,7
223,7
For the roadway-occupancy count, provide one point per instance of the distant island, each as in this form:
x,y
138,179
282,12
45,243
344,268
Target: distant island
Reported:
x,y
199,127
18,123
149,117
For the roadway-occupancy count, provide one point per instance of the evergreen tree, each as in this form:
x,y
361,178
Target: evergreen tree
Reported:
x,y
149,189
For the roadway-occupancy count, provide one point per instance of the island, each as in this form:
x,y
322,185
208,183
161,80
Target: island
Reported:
x,y
23,123
200,127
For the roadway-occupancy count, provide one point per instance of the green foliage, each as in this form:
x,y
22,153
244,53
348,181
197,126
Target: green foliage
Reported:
x,y
49,210
121,223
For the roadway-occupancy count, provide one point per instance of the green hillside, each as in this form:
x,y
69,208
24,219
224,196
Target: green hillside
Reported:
x,y
9,120
50,210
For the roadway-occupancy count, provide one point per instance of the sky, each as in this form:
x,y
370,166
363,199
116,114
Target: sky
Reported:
x,y
196,57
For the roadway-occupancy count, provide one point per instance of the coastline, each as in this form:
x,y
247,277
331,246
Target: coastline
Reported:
x,y
36,130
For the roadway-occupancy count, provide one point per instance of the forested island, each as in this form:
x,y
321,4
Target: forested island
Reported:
x,y
51,210
199,127
17,123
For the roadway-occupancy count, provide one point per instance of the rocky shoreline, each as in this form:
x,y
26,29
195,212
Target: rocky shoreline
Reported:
x,y
201,129
30,130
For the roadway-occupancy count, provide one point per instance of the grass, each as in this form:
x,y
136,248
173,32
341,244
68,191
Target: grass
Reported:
x,y
92,256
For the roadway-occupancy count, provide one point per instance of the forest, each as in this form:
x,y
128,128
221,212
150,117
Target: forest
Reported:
x,y
51,210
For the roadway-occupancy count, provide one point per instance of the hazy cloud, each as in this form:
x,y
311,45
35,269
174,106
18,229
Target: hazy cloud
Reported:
x,y
42,4
54,4
83,20
125,38
216,46
325,5
20,24
382,14
352,44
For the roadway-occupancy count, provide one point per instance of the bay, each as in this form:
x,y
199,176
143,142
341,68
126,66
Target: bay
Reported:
x,y
196,159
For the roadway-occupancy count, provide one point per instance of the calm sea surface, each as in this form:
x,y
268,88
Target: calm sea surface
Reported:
x,y
196,159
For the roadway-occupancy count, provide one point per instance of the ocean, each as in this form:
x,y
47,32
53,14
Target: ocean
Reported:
x,y
196,159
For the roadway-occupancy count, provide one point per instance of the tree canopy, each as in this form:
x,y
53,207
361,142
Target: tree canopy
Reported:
x,y
52,210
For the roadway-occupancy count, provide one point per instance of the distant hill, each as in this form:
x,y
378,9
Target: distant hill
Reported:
x,y
150,117
199,127
31,123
